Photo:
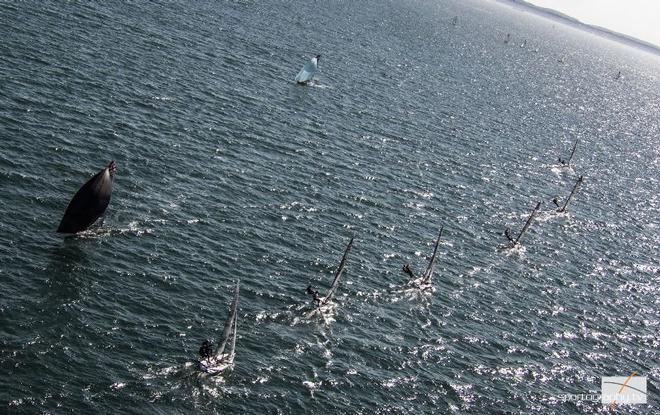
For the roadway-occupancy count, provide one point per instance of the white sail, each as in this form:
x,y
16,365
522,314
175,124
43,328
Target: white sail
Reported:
x,y
340,270
307,72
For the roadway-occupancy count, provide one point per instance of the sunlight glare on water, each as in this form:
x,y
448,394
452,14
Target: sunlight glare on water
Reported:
x,y
229,170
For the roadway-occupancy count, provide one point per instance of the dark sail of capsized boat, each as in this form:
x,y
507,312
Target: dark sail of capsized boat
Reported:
x,y
516,241
424,281
562,209
319,301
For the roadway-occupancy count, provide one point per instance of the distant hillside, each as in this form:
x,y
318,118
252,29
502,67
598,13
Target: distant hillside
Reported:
x,y
601,31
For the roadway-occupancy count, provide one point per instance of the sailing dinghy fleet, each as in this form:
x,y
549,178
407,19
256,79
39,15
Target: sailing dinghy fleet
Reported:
x,y
220,361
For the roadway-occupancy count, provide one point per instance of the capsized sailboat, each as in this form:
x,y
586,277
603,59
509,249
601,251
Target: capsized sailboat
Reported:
x,y
424,282
320,302
562,209
516,241
223,358
568,163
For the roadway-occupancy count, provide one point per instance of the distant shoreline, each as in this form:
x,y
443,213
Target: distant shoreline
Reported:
x,y
571,21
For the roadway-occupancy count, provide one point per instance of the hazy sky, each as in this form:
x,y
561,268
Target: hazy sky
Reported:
x,y
637,18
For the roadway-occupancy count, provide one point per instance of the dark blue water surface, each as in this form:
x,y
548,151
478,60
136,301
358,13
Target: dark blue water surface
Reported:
x,y
229,170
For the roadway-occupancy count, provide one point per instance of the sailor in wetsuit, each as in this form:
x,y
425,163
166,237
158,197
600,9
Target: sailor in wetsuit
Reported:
x,y
408,270
206,350
316,299
507,233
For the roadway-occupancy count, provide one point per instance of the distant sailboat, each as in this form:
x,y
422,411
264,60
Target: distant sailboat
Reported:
x,y
424,282
516,241
454,21
618,75
307,72
321,302
220,361
568,163
524,43
507,38
562,209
